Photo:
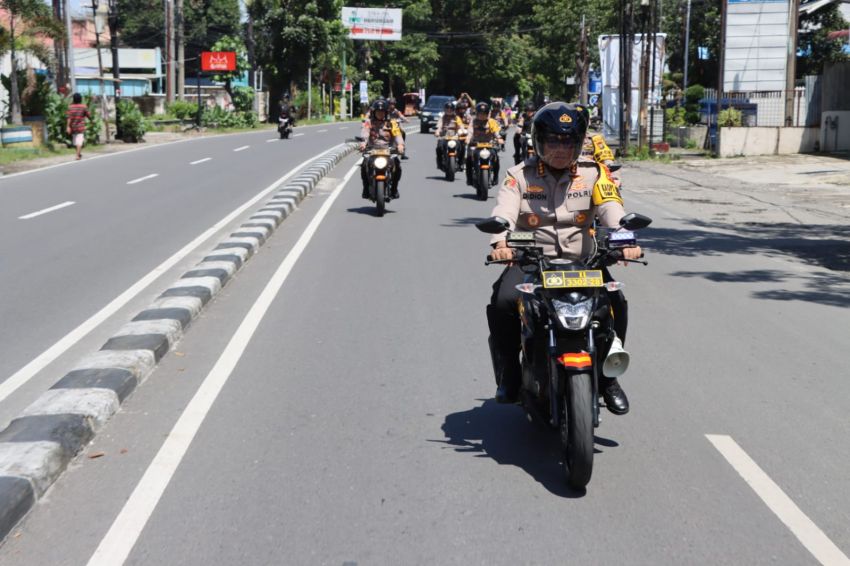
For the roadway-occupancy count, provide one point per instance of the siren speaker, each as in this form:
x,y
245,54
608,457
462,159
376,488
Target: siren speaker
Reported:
x,y
617,361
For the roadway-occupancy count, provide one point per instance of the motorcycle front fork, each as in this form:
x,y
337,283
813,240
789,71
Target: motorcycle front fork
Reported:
x,y
554,397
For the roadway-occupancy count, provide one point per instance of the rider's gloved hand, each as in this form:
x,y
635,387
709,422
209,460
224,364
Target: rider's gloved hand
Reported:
x,y
362,146
501,252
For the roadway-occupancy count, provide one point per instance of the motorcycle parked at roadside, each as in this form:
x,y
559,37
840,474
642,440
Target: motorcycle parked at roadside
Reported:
x,y
568,336
483,159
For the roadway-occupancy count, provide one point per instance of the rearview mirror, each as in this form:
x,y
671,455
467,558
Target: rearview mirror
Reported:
x,y
614,166
493,225
635,221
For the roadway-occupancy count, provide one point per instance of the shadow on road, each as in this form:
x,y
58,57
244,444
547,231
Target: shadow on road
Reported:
x,y
470,196
824,246
370,211
503,433
464,222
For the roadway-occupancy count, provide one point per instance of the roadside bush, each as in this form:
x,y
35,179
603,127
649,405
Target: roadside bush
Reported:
x,y
675,117
216,117
243,98
730,117
133,122
693,95
183,109
55,109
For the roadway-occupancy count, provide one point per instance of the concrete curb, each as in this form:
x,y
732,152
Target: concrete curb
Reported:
x,y
39,444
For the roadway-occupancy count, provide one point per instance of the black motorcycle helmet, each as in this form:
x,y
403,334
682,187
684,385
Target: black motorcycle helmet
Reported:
x,y
562,126
482,108
391,101
450,105
530,107
379,105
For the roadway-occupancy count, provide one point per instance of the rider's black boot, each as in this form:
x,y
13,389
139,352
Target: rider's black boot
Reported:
x,y
613,395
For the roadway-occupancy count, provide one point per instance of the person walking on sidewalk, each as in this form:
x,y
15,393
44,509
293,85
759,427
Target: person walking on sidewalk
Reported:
x,y
75,123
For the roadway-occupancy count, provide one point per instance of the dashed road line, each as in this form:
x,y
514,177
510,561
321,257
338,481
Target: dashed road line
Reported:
x,y
296,135
201,160
243,148
344,128
320,131
46,210
806,531
145,178
272,140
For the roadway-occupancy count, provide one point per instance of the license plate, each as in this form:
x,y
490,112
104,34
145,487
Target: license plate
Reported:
x,y
571,279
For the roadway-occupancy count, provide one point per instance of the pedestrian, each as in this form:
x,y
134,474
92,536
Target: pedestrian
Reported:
x,y
75,123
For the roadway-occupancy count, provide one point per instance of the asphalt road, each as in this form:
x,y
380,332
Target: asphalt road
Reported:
x,y
64,265
357,425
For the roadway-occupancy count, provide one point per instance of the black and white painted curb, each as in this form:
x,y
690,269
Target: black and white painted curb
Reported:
x,y
38,445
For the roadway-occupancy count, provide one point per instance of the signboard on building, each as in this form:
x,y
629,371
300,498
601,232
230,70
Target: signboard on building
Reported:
x,y
757,39
218,61
383,24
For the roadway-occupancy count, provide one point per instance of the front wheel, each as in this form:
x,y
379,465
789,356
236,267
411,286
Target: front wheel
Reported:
x,y
577,430
424,129
450,169
380,200
483,183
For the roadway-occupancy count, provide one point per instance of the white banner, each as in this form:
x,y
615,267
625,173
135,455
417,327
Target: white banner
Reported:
x,y
364,92
383,24
757,39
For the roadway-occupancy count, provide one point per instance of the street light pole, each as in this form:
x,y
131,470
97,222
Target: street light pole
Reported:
x,y
116,66
687,44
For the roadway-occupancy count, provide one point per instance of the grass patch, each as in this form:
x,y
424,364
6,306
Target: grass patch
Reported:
x,y
317,121
11,155
644,154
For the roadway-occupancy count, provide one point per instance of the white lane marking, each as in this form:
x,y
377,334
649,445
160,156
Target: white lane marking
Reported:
x,y
243,148
815,541
296,135
115,547
23,375
205,159
145,178
321,131
46,210
344,128
272,140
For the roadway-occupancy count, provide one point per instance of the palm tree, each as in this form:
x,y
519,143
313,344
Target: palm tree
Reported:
x,y
29,22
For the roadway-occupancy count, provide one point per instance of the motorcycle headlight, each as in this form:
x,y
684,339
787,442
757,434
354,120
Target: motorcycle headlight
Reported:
x,y
573,316
452,144
380,163
485,154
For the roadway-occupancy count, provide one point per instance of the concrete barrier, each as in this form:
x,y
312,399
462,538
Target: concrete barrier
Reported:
x,y
736,142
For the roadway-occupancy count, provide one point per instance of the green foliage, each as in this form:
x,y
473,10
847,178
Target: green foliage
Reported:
x,y
729,117
243,98
206,21
300,101
231,43
183,109
693,95
134,125
675,117
33,96
705,32
815,43
216,117
55,110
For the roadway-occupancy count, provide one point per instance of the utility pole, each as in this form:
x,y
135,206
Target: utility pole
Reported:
x,y
104,106
310,85
181,40
116,66
169,51
652,101
342,111
643,82
791,70
59,48
69,30
724,7
687,45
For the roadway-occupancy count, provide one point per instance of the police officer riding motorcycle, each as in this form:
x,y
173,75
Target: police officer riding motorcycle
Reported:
x,y
557,198
522,134
381,134
450,148
483,130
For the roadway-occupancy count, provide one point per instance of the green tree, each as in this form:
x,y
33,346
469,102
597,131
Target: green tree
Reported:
x,y
705,32
236,45
815,49
29,21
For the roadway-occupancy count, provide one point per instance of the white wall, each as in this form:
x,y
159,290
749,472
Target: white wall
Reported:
x,y
735,142
835,130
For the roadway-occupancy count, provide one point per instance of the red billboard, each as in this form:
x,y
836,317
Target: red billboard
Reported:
x,y
218,61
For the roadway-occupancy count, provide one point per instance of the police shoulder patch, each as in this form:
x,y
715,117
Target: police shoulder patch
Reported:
x,y
605,190
510,182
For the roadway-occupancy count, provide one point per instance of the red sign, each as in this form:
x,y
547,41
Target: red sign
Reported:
x,y
218,61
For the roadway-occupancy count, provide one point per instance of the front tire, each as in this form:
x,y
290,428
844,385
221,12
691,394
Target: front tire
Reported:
x,y
483,183
577,430
380,199
450,169
424,129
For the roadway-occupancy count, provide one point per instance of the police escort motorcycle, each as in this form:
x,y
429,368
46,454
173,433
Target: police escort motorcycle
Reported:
x,y
451,154
483,160
380,168
568,336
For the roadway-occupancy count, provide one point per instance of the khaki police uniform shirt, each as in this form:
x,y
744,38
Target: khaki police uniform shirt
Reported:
x,y
560,212
449,125
484,131
381,134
